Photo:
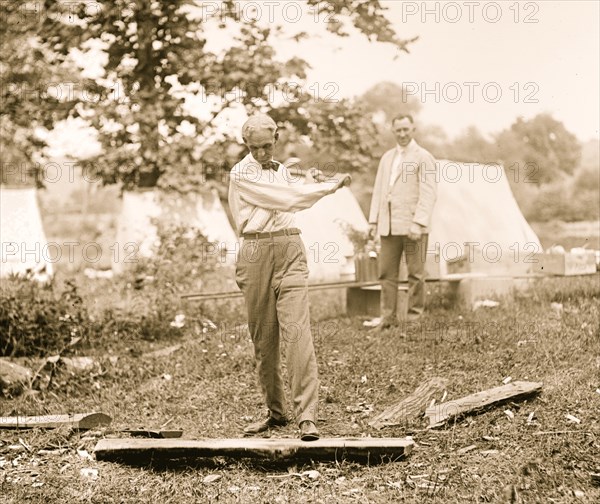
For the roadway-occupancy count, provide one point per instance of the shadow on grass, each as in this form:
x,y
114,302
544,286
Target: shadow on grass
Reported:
x,y
182,464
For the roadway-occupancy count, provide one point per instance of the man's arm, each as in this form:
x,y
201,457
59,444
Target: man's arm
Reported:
x,y
376,196
427,190
282,197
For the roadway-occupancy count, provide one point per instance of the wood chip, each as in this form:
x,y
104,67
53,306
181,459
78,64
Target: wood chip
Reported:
x,y
466,449
25,445
211,478
58,451
88,472
490,452
573,419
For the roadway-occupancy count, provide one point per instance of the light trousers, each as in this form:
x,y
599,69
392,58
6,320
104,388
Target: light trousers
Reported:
x,y
272,274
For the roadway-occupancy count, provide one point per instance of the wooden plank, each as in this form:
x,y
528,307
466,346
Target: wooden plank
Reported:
x,y
79,421
440,414
410,407
314,286
146,450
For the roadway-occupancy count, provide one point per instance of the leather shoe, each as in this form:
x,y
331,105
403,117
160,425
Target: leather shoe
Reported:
x,y
308,431
267,423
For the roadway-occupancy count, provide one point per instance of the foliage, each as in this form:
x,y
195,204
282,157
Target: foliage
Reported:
x,y
38,319
34,320
157,53
471,146
342,138
30,92
389,99
543,164
366,15
359,239
540,149
565,201
151,289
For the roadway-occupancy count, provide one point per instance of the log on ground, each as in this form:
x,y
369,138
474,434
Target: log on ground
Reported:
x,y
140,451
438,415
410,407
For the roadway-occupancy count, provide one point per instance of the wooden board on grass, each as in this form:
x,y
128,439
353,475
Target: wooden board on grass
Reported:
x,y
438,415
81,421
410,407
164,450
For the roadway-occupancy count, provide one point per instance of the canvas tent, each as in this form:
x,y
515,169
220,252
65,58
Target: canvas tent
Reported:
x,y
475,204
330,253
136,225
23,243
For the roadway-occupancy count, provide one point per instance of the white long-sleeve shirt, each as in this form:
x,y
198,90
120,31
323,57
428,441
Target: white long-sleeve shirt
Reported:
x,y
266,200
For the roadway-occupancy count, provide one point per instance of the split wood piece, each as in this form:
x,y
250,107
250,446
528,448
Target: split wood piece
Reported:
x,y
162,450
440,414
79,421
412,406
150,433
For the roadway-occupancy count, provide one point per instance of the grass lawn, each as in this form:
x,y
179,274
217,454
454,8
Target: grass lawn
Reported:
x,y
208,388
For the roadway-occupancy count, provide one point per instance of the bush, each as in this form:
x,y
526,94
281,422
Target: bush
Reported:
x,y
36,321
151,289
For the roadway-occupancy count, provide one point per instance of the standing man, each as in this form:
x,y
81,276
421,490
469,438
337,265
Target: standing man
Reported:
x,y
272,273
401,208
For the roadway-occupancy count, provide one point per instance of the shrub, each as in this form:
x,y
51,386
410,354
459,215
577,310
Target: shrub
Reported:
x,y
34,320
38,320
151,289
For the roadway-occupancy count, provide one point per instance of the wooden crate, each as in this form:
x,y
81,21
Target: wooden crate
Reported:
x,y
564,264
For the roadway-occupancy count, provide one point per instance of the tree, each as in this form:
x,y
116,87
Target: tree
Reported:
x,y
539,150
471,146
157,53
333,136
31,95
388,99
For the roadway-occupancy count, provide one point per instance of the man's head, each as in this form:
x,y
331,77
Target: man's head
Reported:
x,y
260,136
403,127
